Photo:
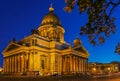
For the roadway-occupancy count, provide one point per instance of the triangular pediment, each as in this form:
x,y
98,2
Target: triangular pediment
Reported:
x,y
81,49
11,46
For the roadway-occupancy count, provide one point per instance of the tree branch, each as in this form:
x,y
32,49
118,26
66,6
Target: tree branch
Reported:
x,y
114,6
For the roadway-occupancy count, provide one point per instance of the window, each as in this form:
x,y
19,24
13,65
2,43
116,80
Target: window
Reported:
x,y
34,41
42,64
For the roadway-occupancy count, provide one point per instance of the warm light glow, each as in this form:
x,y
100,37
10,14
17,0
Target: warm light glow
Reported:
x,y
21,56
108,68
116,68
0,69
94,69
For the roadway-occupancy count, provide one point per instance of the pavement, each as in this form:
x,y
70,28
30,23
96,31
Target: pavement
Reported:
x,y
110,77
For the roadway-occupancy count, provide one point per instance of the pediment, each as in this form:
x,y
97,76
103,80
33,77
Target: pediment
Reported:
x,y
11,46
81,49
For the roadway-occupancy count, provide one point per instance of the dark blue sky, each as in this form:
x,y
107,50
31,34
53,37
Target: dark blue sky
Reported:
x,y
18,17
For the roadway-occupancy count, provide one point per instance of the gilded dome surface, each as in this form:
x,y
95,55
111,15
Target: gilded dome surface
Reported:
x,y
51,18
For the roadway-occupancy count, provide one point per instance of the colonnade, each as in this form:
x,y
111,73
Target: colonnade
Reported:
x,y
17,63
22,62
74,64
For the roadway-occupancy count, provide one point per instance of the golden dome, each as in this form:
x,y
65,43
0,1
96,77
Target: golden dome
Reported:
x,y
51,18
77,42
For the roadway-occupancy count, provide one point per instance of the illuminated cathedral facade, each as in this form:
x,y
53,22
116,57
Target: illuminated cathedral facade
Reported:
x,y
45,51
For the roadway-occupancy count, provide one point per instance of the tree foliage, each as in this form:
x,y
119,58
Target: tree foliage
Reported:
x,y
100,22
117,49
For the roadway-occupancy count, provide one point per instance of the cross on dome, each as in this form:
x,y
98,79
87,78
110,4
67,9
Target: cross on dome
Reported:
x,y
51,9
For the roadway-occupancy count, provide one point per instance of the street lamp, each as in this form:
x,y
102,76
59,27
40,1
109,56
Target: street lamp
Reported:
x,y
94,70
109,68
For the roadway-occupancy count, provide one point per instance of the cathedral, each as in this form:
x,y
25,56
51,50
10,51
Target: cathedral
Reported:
x,y
44,51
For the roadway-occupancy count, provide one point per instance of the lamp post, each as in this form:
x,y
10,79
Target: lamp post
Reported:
x,y
94,70
109,70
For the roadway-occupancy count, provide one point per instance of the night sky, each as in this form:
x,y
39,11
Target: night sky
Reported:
x,y
18,17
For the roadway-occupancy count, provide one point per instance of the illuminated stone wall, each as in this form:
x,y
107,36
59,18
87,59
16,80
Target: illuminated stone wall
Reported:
x,y
100,68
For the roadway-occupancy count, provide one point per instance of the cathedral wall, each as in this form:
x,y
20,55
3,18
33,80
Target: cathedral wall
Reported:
x,y
37,61
52,62
52,44
43,43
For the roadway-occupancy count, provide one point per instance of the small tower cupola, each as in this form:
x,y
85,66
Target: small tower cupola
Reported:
x,y
77,42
